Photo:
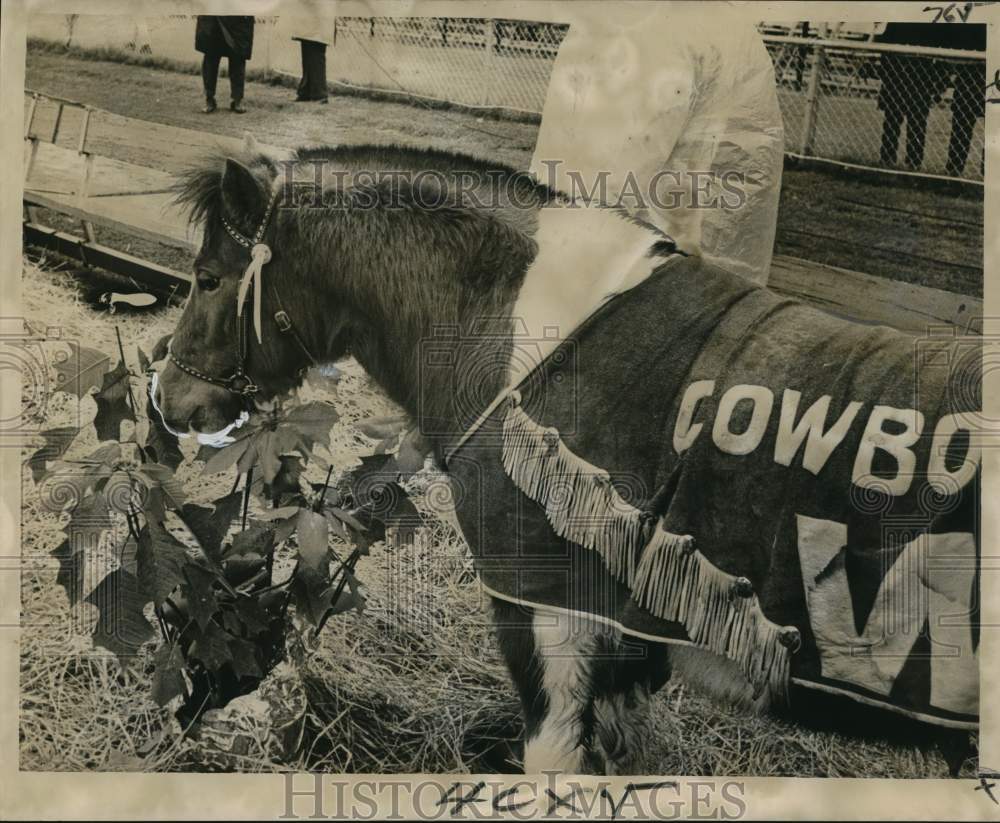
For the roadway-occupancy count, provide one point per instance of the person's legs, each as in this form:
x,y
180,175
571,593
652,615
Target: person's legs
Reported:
x,y
963,119
890,133
317,71
916,135
301,91
237,82
209,78
313,85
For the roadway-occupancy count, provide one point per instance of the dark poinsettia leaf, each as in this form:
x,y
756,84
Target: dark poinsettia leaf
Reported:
x,y
313,535
257,538
331,496
160,560
350,595
374,471
211,647
211,525
71,569
286,480
121,625
313,422
161,348
244,658
56,442
82,370
220,460
238,570
349,519
337,525
88,523
168,679
128,555
160,477
312,593
198,591
161,446
90,519
252,615
67,483
403,515
112,403
285,528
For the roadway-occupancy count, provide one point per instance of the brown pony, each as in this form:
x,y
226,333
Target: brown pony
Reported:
x,y
374,265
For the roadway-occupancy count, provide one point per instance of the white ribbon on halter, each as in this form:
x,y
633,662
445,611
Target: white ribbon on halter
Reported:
x,y
260,255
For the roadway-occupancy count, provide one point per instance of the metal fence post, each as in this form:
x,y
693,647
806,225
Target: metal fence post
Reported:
x,y
812,99
489,36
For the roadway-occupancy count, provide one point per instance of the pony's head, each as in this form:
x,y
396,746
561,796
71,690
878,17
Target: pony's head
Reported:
x,y
219,359
370,269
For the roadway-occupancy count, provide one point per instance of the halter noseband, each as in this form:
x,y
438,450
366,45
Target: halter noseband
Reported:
x,y
251,287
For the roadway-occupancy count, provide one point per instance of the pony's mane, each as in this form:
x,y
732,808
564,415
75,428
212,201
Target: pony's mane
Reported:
x,y
198,189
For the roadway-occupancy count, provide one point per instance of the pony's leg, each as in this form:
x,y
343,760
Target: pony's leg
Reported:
x,y
550,658
627,673
566,647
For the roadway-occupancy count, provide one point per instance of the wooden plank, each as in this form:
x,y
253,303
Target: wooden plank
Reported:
x,y
160,278
873,300
146,217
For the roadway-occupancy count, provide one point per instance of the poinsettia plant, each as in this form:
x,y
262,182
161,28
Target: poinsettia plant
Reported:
x,y
224,581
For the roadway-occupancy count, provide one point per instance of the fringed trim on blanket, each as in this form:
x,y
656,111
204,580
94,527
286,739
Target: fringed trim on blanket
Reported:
x,y
719,611
580,501
672,580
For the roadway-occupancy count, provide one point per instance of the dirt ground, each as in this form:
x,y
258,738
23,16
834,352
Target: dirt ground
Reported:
x,y
413,684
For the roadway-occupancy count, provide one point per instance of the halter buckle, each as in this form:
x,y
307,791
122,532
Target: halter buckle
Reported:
x,y
243,385
283,320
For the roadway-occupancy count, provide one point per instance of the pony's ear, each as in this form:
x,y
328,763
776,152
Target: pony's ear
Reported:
x,y
241,193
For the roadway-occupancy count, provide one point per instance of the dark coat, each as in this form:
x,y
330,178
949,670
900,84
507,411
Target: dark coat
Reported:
x,y
227,36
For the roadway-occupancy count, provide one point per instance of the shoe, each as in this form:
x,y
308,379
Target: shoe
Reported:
x,y
237,106
210,105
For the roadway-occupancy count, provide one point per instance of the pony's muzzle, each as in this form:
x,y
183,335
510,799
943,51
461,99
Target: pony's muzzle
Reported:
x,y
186,404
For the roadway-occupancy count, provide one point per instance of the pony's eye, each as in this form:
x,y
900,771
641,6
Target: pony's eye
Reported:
x,y
206,281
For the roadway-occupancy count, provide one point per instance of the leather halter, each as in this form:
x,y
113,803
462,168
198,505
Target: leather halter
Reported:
x,y
240,382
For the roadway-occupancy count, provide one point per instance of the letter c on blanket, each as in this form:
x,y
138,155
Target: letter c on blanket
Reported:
x,y
684,432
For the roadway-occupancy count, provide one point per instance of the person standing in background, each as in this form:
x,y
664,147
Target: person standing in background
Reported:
x,y
313,84
911,84
968,100
230,37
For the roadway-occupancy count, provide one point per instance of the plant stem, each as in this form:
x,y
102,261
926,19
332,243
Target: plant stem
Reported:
x,y
128,388
246,496
326,485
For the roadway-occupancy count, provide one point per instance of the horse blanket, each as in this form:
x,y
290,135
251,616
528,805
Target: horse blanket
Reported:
x,y
704,462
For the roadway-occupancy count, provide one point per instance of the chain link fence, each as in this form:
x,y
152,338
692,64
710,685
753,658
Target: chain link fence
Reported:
x,y
882,106
846,100
482,63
